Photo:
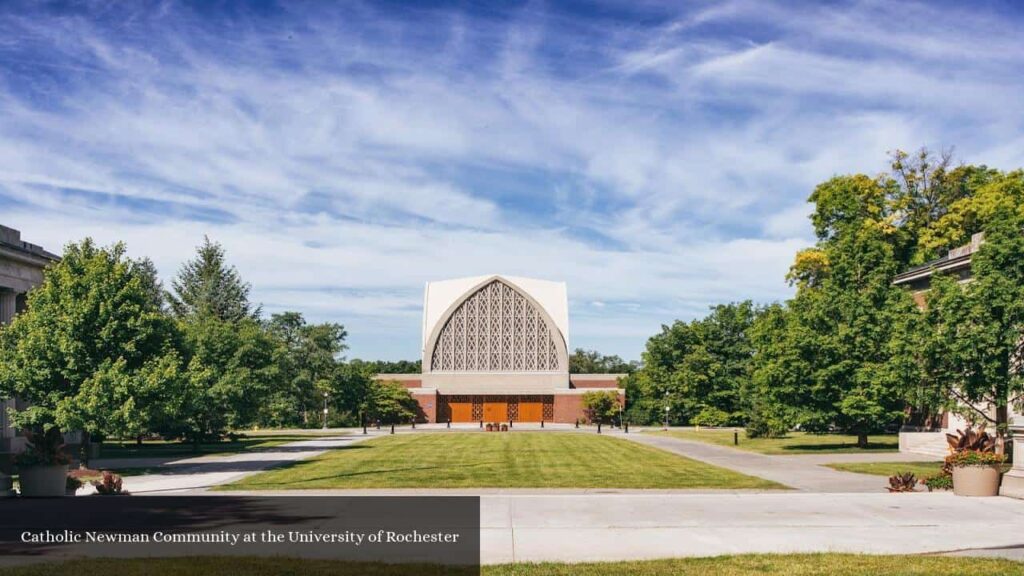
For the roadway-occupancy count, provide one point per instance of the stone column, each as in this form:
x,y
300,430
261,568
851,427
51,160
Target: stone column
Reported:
x,y
8,306
1013,481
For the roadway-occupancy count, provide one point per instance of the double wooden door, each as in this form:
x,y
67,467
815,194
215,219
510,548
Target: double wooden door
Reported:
x,y
495,410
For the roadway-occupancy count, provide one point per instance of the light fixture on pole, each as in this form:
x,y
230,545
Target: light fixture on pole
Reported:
x,y
325,410
666,410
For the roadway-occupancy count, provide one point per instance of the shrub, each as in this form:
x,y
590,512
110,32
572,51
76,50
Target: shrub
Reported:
x,y
766,426
939,482
109,485
902,482
972,440
600,406
967,458
711,416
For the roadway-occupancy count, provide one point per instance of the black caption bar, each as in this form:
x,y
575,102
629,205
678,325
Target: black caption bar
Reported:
x,y
442,531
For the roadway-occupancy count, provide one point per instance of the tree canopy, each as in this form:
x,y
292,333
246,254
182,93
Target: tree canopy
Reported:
x,y
93,351
207,286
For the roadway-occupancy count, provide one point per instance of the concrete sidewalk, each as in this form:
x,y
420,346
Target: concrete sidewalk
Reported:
x,y
185,475
802,472
629,527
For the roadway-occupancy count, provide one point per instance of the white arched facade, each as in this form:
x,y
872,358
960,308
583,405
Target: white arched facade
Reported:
x,y
495,327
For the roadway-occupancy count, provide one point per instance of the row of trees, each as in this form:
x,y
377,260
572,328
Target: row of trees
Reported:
x,y
105,349
851,351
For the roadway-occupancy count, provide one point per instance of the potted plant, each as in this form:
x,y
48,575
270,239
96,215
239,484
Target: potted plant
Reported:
x,y
43,466
975,472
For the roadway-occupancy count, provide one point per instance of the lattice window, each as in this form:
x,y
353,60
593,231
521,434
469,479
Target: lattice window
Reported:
x,y
497,329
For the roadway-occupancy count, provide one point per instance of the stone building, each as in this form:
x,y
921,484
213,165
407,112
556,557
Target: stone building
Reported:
x,y
495,349
21,269
931,437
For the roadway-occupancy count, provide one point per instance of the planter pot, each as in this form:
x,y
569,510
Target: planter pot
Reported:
x,y
976,481
43,481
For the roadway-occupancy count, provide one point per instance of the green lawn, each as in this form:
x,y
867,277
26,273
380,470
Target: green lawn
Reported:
x,y
505,460
746,565
920,469
158,448
793,443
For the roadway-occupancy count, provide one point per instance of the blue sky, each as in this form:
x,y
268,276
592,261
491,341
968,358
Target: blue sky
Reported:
x,y
656,157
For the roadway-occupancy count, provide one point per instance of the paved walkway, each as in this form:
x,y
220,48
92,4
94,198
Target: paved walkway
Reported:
x,y
604,525
629,527
802,472
203,472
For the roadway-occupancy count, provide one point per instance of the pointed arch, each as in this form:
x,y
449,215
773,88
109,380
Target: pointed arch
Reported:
x,y
496,327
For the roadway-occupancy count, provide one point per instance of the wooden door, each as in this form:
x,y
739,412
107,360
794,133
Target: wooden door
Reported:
x,y
461,411
531,411
495,411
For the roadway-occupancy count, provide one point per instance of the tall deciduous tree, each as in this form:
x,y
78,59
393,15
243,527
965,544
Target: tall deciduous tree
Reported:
x,y
207,286
841,318
969,339
93,351
309,367
232,369
697,368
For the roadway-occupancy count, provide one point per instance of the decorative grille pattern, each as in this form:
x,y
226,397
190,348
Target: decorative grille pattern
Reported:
x,y
549,408
496,330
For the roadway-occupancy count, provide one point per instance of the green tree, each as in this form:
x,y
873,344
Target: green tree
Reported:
x,y
390,402
969,337
696,368
593,362
207,286
779,369
93,351
841,317
601,405
232,368
309,367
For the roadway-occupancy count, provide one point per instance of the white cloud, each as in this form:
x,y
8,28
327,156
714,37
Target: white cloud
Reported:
x,y
344,158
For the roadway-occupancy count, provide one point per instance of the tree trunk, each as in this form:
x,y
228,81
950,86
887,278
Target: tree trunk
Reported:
x,y
84,462
862,440
1002,425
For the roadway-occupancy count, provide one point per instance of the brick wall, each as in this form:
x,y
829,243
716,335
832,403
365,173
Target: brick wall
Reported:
x,y
568,408
428,407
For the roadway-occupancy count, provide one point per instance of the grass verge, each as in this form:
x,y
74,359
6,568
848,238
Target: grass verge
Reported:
x,y
920,469
507,460
160,448
793,443
744,565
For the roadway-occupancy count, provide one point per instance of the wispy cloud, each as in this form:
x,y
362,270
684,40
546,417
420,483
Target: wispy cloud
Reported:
x,y
655,159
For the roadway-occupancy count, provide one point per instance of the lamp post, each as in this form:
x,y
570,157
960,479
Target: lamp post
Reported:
x,y
325,410
666,410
